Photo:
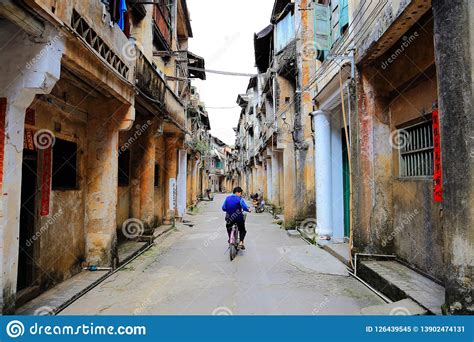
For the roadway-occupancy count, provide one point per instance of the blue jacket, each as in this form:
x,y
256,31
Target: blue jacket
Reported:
x,y
234,206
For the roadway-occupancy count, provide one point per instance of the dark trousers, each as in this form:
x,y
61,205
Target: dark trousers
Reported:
x,y
241,227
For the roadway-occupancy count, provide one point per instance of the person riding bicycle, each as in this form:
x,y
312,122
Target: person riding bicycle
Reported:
x,y
234,206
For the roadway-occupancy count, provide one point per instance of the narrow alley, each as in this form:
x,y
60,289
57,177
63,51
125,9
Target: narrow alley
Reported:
x,y
188,272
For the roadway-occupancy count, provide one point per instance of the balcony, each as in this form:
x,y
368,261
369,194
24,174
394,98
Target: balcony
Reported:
x,y
149,81
153,88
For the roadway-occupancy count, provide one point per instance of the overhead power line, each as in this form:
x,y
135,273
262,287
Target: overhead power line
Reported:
x,y
220,72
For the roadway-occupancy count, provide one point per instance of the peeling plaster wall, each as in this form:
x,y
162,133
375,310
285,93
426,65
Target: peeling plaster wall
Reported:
x,y
19,84
391,214
62,241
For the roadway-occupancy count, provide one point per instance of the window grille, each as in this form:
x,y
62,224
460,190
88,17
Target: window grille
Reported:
x,y
416,150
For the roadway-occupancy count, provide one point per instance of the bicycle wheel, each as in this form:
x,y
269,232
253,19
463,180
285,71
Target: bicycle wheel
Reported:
x,y
232,252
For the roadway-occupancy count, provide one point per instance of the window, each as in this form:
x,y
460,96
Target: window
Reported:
x,y
330,23
162,27
285,32
124,168
416,150
64,165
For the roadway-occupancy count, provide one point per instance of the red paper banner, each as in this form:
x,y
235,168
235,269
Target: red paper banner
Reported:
x,y
437,172
28,143
46,182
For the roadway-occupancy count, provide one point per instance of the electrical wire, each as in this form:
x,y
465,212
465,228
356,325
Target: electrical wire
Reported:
x,y
220,72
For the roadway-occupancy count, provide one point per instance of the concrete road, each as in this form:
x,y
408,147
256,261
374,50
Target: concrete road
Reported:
x,y
188,272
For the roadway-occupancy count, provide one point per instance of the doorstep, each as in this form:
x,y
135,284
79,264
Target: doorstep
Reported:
x,y
397,282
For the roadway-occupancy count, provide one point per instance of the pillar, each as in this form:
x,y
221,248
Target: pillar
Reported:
x,y
143,175
101,182
181,182
275,179
269,194
454,55
322,151
171,171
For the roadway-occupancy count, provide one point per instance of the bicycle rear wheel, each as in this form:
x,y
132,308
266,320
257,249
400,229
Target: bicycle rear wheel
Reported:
x,y
232,252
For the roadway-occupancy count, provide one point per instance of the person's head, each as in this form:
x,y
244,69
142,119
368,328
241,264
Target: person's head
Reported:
x,y
237,191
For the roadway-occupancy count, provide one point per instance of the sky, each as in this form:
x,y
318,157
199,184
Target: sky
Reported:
x,y
223,35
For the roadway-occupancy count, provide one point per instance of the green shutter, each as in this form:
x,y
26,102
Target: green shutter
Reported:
x,y
343,15
322,27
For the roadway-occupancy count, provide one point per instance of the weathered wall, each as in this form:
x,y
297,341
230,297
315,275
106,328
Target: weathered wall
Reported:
x,y
20,84
62,240
391,214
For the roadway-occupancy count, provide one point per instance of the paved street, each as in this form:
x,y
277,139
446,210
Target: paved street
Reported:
x,y
188,272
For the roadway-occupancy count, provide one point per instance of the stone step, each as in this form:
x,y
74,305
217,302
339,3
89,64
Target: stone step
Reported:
x,y
398,282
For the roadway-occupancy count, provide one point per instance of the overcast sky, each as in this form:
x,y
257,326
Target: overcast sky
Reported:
x,y
223,34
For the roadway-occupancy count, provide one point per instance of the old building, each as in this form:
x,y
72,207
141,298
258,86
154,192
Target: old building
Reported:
x,y
93,111
351,124
278,155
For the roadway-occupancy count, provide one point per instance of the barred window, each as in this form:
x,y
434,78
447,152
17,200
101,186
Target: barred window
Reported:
x,y
416,150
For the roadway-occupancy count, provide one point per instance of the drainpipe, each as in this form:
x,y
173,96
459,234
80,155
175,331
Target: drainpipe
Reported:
x,y
322,158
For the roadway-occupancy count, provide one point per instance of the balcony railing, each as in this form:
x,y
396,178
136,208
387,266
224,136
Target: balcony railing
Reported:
x,y
149,81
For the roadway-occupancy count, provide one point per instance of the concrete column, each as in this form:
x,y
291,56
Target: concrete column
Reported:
x,y
182,171
28,67
147,178
269,194
171,172
288,179
322,129
102,173
276,179
194,182
454,54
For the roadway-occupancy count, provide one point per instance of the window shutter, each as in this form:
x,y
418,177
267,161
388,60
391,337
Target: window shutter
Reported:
x,y
322,27
343,15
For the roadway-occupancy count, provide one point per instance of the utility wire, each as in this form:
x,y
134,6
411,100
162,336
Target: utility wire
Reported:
x,y
220,72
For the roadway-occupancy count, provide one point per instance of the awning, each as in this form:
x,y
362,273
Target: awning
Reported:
x,y
263,47
196,66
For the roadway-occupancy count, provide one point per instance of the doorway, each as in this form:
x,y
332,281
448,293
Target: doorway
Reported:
x,y
26,256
